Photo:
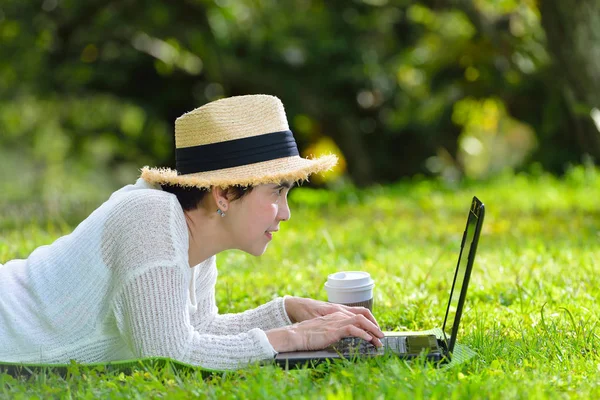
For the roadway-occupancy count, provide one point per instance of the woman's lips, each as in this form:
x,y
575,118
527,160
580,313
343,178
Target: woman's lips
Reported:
x,y
269,234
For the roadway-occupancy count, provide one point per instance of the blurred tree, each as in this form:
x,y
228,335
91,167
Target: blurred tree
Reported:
x,y
573,32
402,87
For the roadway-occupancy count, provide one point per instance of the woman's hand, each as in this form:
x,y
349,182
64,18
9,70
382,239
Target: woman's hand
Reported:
x,y
301,309
320,332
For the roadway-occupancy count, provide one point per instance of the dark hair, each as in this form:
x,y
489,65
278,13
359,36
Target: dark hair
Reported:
x,y
190,197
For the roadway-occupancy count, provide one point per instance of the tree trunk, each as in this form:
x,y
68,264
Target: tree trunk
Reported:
x,y
573,36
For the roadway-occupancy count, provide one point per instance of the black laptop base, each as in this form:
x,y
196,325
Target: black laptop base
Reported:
x,y
418,346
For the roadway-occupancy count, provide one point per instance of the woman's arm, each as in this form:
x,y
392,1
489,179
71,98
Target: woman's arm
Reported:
x,y
207,319
270,315
153,318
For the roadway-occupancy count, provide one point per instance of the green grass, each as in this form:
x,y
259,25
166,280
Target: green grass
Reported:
x,y
532,311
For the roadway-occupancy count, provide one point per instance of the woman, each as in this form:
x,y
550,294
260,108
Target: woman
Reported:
x,y
137,277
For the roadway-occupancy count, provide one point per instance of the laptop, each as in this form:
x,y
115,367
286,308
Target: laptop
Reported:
x,y
435,348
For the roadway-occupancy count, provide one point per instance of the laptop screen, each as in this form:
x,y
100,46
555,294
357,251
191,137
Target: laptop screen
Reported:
x,y
463,271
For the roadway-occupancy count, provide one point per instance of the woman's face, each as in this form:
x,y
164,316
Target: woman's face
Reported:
x,y
255,218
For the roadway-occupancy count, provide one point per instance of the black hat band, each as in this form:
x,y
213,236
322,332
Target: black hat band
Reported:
x,y
235,153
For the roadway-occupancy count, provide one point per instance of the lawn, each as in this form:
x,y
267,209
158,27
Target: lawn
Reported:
x,y
531,316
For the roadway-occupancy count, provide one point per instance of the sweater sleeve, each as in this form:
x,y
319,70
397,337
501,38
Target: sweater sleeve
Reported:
x,y
206,318
267,316
152,317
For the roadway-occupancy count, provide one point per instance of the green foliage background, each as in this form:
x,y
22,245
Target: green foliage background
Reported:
x,y
90,90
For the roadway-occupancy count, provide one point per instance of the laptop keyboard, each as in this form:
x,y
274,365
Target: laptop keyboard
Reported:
x,y
358,346
354,345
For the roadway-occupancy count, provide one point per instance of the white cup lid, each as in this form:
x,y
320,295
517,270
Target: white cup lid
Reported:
x,y
349,279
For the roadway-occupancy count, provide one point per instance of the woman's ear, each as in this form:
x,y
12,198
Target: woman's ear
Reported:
x,y
220,197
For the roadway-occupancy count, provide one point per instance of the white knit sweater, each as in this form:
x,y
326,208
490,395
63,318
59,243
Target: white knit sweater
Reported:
x,y
120,287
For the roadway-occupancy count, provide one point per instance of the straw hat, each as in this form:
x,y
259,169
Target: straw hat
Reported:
x,y
241,140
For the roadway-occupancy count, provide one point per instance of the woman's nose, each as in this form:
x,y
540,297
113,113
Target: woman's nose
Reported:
x,y
284,212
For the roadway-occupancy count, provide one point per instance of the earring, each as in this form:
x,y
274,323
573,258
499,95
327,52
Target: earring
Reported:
x,y
221,213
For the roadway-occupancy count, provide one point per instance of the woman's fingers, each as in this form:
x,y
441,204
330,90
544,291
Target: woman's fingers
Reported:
x,y
362,322
363,311
351,330
359,326
346,312
321,332
332,308
376,342
359,320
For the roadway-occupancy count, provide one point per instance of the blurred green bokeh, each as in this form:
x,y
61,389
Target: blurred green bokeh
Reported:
x,y
89,91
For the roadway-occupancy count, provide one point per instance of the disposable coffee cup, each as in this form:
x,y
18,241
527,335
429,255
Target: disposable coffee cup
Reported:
x,y
351,288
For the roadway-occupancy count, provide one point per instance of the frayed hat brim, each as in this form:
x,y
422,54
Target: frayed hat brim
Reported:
x,y
288,169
